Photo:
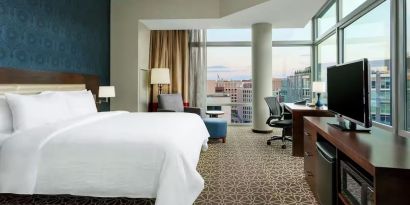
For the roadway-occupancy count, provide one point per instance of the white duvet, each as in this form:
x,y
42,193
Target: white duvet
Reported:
x,y
113,154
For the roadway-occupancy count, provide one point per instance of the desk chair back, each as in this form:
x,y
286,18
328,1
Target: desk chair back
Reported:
x,y
275,108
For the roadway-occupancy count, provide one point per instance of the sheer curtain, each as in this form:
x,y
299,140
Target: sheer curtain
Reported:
x,y
197,69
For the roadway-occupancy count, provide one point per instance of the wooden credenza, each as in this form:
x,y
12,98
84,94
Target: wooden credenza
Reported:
x,y
298,112
382,155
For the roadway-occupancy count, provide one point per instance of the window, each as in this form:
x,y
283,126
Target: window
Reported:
x,y
224,35
385,83
349,5
385,108
408,66
291,73
327,56
293,34
229,85
229,63
327,20
374,45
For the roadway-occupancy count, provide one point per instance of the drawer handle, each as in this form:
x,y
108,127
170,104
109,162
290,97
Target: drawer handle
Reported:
x,y
308,154
309,173
307,133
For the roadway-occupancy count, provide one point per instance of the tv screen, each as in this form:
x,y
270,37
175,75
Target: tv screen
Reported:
x,y
348,91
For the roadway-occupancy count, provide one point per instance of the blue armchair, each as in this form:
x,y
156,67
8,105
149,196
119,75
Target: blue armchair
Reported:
x,y
217,127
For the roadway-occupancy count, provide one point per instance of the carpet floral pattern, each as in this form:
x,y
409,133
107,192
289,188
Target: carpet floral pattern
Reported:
x,y
247,171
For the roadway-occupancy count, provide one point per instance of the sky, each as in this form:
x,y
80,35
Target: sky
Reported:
x,y
234,63
367,37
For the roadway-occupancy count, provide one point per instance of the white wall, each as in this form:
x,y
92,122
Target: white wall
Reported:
x,y
124,55
231,6
130,39
143,66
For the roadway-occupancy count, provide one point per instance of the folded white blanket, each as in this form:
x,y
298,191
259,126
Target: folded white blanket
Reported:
x,y
113,154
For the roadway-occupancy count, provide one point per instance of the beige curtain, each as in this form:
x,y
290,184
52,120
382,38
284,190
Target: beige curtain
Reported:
x,y
169,49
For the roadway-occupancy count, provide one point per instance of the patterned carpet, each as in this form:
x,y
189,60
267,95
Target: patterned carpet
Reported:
x,y
247,171
242,171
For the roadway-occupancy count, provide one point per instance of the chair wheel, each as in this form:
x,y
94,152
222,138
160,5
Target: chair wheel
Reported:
x,y
283,146
268,143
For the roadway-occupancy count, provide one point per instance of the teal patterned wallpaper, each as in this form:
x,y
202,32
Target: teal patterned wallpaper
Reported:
x,y
56,35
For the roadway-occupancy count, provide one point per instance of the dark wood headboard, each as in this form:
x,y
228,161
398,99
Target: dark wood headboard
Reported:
x,y
20,76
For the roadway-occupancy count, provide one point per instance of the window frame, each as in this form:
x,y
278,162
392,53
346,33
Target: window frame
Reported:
x,y
400,43
338,28
342,30
357,9
325,8
328,36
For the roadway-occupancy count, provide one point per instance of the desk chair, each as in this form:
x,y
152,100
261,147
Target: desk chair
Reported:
x,y
276,120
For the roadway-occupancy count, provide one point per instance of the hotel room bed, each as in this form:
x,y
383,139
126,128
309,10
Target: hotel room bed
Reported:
x,y
113,154
107,154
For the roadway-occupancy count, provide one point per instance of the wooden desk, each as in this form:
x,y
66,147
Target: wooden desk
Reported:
x,y
298,112
381,154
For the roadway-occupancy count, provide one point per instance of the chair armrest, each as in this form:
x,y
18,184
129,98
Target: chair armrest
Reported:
x,y
273,117
164,110
195,110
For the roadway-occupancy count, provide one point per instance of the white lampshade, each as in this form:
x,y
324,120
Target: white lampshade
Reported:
x,y
160,76
106,92
319,87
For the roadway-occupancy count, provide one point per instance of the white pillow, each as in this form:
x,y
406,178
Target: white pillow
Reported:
x,y
79,103
31,111
6,119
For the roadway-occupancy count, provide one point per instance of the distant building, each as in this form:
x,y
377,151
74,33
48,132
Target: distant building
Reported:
x,y
380,91
277,87
296,87
240,95
245,95
210,86
381,97
235,94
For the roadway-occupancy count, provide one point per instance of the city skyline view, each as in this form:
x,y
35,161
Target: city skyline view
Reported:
x,y
233,63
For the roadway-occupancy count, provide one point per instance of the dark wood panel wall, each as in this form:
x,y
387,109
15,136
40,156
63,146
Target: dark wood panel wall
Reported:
x,y
20,76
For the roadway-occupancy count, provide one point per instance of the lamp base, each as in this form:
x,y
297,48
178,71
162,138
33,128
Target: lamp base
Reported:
x,y
102,100
318,102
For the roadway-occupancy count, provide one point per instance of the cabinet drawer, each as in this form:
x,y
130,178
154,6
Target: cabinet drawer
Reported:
x,y
309,139
309,155
309,146
308,131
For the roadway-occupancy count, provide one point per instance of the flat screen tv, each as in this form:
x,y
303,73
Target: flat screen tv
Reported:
x,y
348,93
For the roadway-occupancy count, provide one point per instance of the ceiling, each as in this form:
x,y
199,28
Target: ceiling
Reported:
x,y
244,13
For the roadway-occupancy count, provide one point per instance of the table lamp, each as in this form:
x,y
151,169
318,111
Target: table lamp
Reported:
x,y
106,92
318,88
160,77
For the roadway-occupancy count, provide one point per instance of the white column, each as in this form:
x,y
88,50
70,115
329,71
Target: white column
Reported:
x,y
261,74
